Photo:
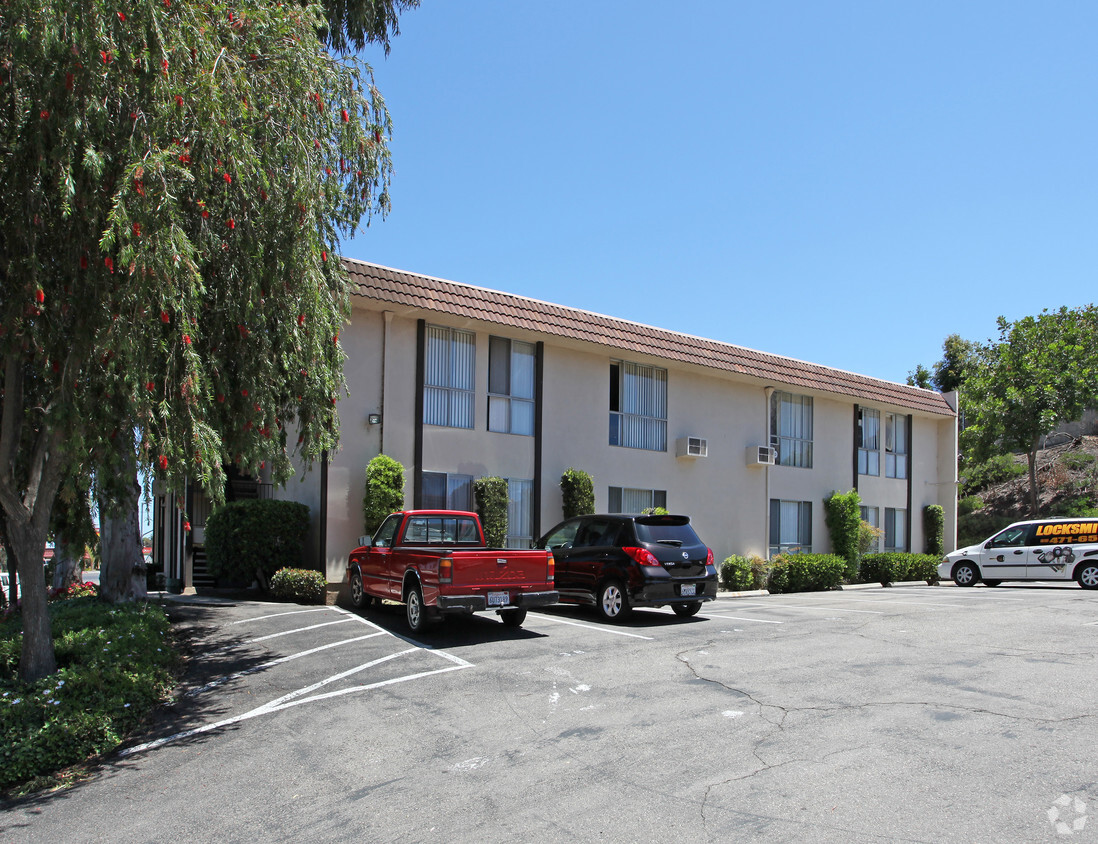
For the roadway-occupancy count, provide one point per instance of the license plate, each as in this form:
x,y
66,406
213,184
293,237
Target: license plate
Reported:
x,y
500,599
687,590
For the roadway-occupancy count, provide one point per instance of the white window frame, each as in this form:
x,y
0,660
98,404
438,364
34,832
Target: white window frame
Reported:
x,y
791,425
895,528
449,377
459,492
638,406
872,517
869,441
624,499
897,437
790,527
512,370
520,513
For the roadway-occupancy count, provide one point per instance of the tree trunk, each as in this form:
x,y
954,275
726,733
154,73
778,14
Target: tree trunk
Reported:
x,y
37,659
122,577
68,566
1032,456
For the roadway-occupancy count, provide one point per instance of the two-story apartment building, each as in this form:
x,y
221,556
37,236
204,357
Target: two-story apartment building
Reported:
x,y
458,382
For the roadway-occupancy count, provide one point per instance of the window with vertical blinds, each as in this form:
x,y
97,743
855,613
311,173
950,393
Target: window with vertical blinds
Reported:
x,y
869,441
790,527
449,377
638,406
520,513
511,373
895,446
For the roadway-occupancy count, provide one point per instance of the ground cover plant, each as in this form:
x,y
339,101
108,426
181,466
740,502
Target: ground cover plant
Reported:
x,y
114,665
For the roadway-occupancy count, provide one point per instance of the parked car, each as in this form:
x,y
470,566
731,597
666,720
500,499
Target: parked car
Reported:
x,y
616,562
1043,549
436,563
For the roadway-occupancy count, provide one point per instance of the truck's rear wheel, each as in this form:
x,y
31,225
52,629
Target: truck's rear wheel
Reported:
x,y
513,618
415,611
359,598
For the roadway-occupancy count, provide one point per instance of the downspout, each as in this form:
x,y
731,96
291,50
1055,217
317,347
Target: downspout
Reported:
x,y
768,392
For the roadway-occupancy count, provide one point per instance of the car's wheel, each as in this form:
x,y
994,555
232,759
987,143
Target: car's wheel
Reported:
x,y
415,611
1087,575
612,603
687,610
992,583
359,598
513,618
965,574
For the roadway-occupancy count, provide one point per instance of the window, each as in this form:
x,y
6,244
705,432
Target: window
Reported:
x,y
869,441
520,514
872,517
790,527
628,500
791,429
895,528
510,386
447,492
895,446
638,406
441,530
448,379
385,534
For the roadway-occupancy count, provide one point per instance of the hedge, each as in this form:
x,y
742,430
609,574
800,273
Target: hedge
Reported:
x,y
247,538
805,572
895,566
577,493
491,501
384,491
300,585
743,574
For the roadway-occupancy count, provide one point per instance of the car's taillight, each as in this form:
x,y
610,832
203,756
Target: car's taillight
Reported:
x,y
446,570
550,565
642,556
709,556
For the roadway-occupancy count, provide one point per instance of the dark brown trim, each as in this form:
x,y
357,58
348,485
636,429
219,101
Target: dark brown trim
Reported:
x,y
417,425
322,528
910,472
854,440
539,412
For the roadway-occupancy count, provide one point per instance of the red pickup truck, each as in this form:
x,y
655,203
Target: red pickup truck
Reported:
x,y
436,563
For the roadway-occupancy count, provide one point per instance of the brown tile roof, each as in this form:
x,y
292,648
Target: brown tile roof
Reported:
x,y
448,297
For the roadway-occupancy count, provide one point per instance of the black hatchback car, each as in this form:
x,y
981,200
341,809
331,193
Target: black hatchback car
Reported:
x,y
616,562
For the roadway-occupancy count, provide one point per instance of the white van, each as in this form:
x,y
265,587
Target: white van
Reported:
x,y
1043,549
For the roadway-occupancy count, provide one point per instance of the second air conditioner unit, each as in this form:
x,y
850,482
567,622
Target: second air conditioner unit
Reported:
x,y
761,455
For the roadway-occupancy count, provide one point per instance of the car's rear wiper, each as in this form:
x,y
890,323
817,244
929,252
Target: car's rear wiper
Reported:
x,y
677,543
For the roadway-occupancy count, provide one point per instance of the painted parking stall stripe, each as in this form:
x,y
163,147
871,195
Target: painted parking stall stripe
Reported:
x,y
594,627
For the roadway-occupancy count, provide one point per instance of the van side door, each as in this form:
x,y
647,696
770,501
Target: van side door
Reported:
x,y
1006,555
1053,554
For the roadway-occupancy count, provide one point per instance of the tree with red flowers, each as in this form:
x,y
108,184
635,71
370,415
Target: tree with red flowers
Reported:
x,y
174,178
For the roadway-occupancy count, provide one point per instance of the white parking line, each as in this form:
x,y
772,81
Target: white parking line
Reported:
x,y
593,627
741,618
809,607
279,615
279,635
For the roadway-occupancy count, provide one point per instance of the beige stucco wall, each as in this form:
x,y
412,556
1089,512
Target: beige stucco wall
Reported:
x,y
727,499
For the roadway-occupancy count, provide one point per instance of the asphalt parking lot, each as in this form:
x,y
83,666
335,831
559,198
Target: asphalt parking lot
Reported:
x,y
907,714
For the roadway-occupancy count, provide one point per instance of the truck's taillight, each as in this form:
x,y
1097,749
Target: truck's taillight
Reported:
x,y
446,570
550,566
642,556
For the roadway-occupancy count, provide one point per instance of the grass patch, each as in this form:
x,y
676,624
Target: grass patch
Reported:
x,y
114,665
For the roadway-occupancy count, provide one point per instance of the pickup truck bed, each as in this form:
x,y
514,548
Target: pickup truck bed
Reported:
x,y
436,563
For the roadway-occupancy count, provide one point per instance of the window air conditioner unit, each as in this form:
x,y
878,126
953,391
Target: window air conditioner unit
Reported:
x,y
761,455
691,447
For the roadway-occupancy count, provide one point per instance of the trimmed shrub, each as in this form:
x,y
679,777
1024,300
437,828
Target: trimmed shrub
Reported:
x,y
491,502
896,566
577,492
114,665
842,514
384,491
256,538
934,529
300,585
805,572
743,574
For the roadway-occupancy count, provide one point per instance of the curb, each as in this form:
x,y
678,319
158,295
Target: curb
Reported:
x,y
758,593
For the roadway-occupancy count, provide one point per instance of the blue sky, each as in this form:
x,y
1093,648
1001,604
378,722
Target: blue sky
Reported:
x,y
844,183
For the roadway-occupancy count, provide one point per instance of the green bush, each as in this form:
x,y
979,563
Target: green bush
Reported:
x,y
1077,460
244,538
743,574
114,665
300,585
976,527
491,502
384,491
934,529
1001,467
805,572
895,567
969,504
842,513
578,493
1079,508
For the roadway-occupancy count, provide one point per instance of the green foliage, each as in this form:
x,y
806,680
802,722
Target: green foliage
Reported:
x,y
920,377
980,525
384,491
114,665
868,538
934,529
842,514
1078,461
1075,507
805,572
243,537
895,567
578,493
491,503
743,574
969,504
959,357
654,511
300,585
976,476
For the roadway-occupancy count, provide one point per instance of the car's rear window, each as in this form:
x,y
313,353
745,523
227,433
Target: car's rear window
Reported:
x,y
667,529
439,530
